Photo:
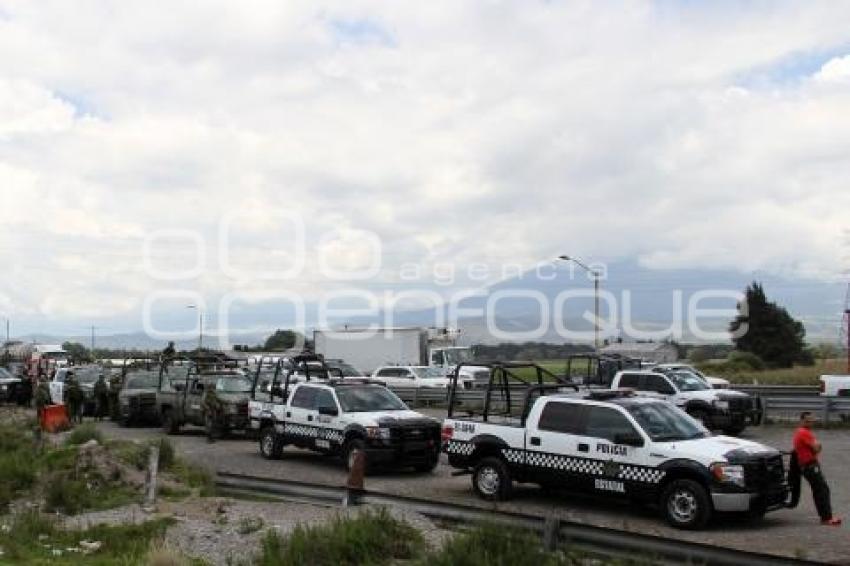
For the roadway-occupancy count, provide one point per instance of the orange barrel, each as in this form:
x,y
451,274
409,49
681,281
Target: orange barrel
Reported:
x,y
54,418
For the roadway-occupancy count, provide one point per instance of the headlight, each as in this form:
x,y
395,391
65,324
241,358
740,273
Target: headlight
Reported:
x,y
378,432
720,404
728,473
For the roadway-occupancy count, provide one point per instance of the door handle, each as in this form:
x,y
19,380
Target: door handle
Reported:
x,y
583,447
309,417
288,415
534,441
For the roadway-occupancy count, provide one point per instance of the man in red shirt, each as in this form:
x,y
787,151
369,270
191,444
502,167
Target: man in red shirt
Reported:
x,y
807,448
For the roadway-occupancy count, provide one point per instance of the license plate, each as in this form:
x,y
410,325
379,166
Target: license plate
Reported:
x,y
323,444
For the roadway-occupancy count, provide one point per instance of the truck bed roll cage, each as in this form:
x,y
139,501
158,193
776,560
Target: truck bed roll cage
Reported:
x,y
505,381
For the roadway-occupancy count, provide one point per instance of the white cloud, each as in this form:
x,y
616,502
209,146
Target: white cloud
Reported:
x,y
461,131
836,70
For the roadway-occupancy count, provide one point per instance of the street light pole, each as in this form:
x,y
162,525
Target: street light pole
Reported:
x,y
200,326
595,275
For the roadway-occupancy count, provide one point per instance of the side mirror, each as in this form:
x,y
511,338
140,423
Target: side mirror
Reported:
x,y
328,411
628,439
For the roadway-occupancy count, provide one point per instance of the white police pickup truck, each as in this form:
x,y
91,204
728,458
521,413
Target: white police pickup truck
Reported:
x,y
339,416
616,443
723,409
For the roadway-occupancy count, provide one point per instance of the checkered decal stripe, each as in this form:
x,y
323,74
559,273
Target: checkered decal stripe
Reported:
x,y
639,473
462,448
313,432
560,462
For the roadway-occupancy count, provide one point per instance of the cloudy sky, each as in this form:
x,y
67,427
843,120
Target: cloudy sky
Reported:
x,y
252,148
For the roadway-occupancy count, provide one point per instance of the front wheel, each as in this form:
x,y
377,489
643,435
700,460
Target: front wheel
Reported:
x,y
491,479
685,504
271,447
169,422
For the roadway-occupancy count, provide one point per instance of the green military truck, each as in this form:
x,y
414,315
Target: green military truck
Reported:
x,y
181,392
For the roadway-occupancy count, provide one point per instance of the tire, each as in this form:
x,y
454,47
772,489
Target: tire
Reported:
x,y
685,505
169,423
271,448
491,479
348,453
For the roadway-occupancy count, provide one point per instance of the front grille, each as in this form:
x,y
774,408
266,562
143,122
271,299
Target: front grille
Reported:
x,y
739,404
765,474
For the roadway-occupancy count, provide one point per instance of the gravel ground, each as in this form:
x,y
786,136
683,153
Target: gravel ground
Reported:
x,y
224,531
792,532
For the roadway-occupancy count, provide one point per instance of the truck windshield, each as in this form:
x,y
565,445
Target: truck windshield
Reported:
x,y
665,423
149,381
234,384
455,356
425,372
368,399
343,370
687,381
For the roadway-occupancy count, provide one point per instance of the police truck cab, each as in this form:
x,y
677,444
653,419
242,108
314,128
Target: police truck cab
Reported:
x,y
610,443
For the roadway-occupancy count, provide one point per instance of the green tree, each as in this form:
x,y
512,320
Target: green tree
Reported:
x,y
77,352
768,331
283,340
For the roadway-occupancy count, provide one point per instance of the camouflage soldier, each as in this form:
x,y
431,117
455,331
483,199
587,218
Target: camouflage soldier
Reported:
x,y
101,397
73,399
168,355
112,396
42,397
213,413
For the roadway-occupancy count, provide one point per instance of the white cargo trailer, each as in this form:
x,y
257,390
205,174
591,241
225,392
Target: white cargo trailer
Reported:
x,y
368,349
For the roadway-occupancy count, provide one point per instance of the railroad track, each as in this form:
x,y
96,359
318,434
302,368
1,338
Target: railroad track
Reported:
x,y
597,541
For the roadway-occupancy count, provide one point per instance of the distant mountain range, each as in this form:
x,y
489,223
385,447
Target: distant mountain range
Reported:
x,y
653,295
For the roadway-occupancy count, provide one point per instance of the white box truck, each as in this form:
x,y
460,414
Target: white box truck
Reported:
x,y
369,348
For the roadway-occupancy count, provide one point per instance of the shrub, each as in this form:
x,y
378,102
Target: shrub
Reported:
x,y
495,545
747,360
66,495
167,455
370,538
83,433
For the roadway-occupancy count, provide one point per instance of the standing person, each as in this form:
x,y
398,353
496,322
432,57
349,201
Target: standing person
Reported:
x,y
74,398
807,449
42,398
112,398
168,355
213,413
101,397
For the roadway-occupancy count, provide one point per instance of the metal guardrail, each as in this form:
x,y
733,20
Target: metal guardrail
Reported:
x,y
824,407
776,400
599,541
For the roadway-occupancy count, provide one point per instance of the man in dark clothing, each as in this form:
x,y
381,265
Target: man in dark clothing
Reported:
x,y
213,413
73,399
807,448
112,397
42,397
168,355
101,397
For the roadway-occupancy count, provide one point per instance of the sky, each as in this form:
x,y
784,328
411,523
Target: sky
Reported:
x,y
230,152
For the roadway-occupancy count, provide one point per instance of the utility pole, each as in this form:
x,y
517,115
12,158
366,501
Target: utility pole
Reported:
x,y
595,274
92,339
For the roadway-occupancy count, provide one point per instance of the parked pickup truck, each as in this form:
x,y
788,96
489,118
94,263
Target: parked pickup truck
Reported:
x,y
137,398
615,443
418,376
835,385
179,398
338,416
727,410
86,377
714,382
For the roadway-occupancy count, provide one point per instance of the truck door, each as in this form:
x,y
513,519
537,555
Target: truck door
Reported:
x,y
301,426
552,445
194,399
328,435
618,453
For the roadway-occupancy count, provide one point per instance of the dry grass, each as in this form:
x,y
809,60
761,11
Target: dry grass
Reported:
x,y
798,375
